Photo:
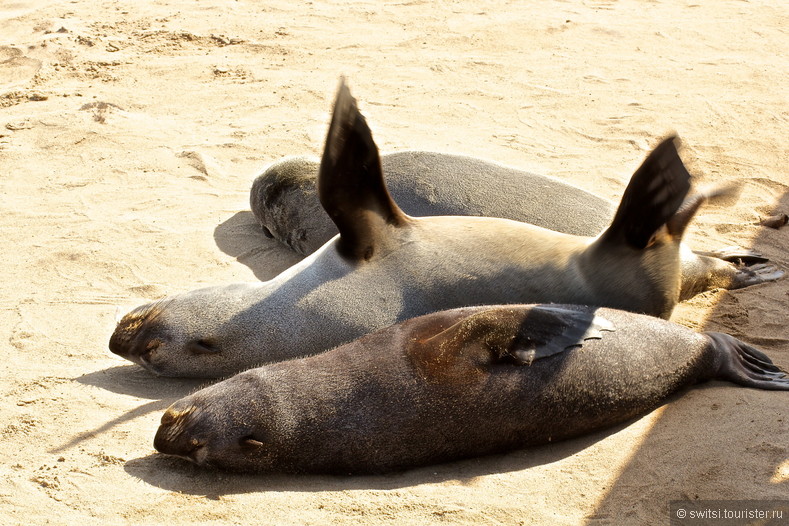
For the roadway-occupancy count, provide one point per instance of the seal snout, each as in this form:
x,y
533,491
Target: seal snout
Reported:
x,y
132,336
174,436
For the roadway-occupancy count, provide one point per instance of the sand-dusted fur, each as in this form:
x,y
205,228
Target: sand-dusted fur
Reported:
x,y
451,385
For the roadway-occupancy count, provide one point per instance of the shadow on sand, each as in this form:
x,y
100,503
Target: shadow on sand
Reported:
x,y
132,380
174,474
242,238
699,436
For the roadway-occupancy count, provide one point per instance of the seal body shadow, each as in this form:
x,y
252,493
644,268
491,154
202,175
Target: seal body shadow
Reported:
x,y
451,385
386,267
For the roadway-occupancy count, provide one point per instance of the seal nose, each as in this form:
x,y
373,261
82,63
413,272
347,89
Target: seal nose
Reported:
x,y
120,340
130,339
174,437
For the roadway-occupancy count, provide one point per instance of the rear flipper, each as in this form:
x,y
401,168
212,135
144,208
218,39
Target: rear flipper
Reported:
x,y
753,274
702,272
725,268
752,267
735,254
739,363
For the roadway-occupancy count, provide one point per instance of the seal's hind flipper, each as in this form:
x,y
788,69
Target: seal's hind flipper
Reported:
x,y
739,363
755,274
351,184
507,335
734,254
655,193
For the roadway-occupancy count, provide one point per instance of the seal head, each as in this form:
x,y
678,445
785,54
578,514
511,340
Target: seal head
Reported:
x,y
285,203
188,334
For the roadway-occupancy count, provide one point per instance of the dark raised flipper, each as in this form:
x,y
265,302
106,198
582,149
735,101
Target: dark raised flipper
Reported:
x,y
351,184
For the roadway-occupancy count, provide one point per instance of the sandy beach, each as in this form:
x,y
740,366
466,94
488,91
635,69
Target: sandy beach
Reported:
x,y
130,133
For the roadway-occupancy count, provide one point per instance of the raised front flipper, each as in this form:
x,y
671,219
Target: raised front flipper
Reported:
x,y
351,184
504,334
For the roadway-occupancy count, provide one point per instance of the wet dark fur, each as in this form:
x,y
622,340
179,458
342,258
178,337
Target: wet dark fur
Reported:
x,y
452,385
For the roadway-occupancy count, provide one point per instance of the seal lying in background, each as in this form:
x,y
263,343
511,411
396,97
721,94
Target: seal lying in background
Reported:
x,y
451,385
284,200
386,267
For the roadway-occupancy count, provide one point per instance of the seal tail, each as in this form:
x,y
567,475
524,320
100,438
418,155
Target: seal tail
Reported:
x,y
351,183
742,364
655,193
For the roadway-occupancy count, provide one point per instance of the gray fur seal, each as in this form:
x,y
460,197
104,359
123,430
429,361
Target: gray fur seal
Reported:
x,y
284,200
386,267
451,385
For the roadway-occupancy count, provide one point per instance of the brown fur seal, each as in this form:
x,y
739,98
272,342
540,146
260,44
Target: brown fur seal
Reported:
x,y
386,267
284,200
452,385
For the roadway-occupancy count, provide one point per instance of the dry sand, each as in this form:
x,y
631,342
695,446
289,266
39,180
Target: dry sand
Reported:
x,y
131,131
